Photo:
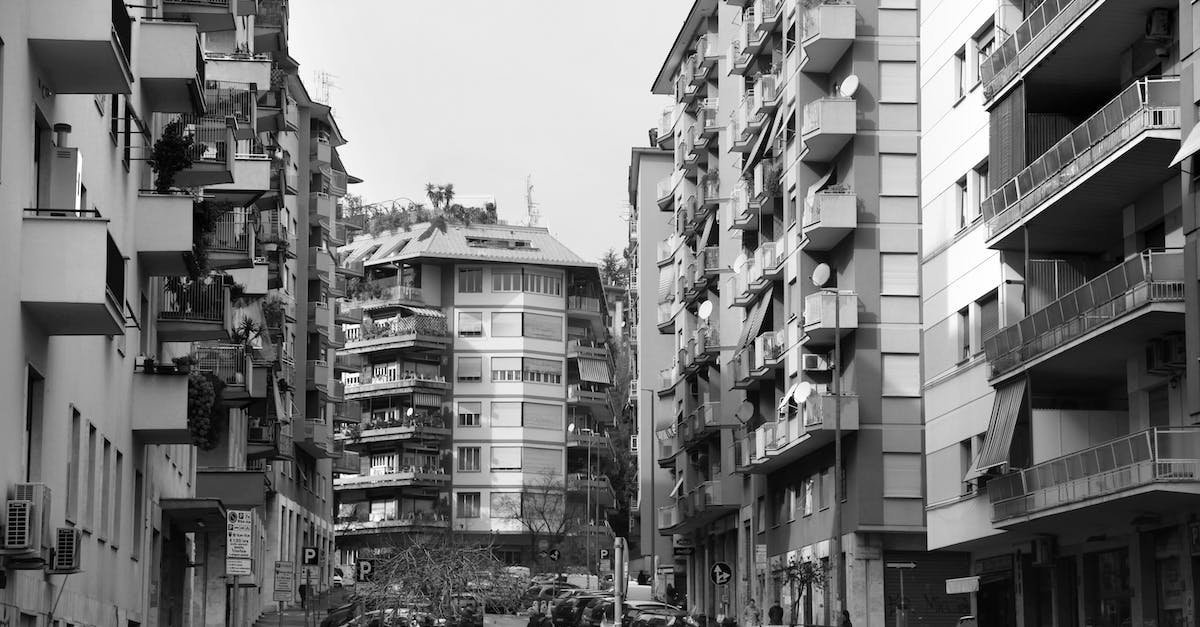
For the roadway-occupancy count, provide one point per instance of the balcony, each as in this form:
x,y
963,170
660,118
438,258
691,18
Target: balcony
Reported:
x,y
666,316
277,111
667,518
72,273
665,451
666,127
420,426
737,56
347,462
192,311
351,269
743,216
170,66
315,438
829,218
585,438
766,97
601,488
708,51
271,26
270,441
586,349
423,333
394,383
390,478
322,210
208,15
369,524
319,317
231,244
160,408
700,507
249,70
828,125
229,363
1074,196
776,445
348,314
587,394
826,314
587,306
666,191
81,47
320,264
347,412
826,32
707,120
251,174
212,150
1130,304
375,293
317,374
163,233
1154,471
769,13
742,125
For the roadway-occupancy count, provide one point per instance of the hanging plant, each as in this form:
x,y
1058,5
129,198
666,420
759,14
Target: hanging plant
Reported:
x,y
171,154
205,415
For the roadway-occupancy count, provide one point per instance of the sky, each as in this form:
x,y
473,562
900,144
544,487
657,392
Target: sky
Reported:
x,y
482,93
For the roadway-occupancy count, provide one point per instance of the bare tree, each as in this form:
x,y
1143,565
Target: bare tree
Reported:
x,y
544,512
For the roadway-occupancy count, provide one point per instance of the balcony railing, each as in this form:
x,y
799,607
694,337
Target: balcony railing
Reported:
x,y
1158,455
585,304
668,516
231,233
1040,28
1149,277
1144,105
226,361
397,327
191,300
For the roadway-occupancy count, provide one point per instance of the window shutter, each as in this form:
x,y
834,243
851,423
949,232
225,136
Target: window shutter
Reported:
x,y
898,274
542,416
543,460
506,414
506,324
543,327
902,474
470,367
506,458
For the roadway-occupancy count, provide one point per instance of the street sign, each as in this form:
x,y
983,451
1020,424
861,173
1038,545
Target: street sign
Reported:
x,y
760,558
238,566
683,550
605,560
721,573
365,570
962,585
285,581
554,554
605,554
309,556
239,534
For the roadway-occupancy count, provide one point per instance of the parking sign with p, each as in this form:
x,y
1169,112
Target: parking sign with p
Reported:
x,y
309,556
365,570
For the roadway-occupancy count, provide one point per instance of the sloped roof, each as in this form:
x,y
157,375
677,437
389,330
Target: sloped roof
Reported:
x,y
540,248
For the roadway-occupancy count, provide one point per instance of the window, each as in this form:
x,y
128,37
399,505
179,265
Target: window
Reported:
x,y
382,510
808,496
902,475
989,316
506,369
467,505
541,326
984,43
470,369
982,188
506,324
468,414
897,81
899,274
89,466
118,494
506,458
505,414
898,175
543,371
964,334
505,505
791,503
470,324
545,461
543,283
962,76
74,466
506,280
901,375
962,203
542,416
105,489
139,497
35,386
470,280
468,459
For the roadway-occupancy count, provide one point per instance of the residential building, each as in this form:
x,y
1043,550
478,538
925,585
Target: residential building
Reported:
x,y
151,364
795,131
481,370
1058,263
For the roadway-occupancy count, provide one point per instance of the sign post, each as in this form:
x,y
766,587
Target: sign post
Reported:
x,y
238,538
902,611
309,558
285,583
620,579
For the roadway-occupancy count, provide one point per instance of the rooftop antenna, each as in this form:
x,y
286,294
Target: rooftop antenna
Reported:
x,y
325,84
534,215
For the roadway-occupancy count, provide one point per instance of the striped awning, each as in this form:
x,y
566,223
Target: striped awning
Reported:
x,y
666,284
422,311
594,370
1005,410
754,319
422,399
708,228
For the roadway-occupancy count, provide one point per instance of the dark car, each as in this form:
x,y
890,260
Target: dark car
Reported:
x,y
662,617
338,616
603,614
566,612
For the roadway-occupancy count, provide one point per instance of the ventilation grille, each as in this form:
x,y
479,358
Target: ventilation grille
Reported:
x,y
18,525
66,551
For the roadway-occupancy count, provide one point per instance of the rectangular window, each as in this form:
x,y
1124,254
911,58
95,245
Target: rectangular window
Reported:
x,y
543,370
962,75
468,414
89,466
139,516
898,81
543,327
808,496
470,324
505,414
982,189
901,375
506,280
468,459
118,498
505,505
902,474
74,467
470,369
989,316
899,274
506,369
541,283
790,506
984,42
542,416
506,458
898,175
467,505
962,203
543,461
470,280
35,386
506,324
105,490
964,334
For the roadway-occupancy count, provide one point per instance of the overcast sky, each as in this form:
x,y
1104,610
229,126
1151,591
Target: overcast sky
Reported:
x,y
481,93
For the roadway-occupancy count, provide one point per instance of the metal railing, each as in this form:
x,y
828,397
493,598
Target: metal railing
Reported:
x,y
226,361
230,99
122,29
1146,104
1157,455
231,233
210,135
1151,276
583,303
1045,23
411,325
191,300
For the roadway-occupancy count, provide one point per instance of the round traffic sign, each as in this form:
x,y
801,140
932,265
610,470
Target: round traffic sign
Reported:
x,y
721,573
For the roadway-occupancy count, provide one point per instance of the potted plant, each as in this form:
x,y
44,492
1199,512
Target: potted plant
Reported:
x,y
171,153
147,363
183,364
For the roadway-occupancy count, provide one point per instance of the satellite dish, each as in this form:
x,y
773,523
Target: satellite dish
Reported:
x,y
571,428
783,403
804,389
705,310
739,262
820,275
849,86
410,412
745,411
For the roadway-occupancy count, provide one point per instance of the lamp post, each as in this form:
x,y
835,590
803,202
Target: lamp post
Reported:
x,y
820,278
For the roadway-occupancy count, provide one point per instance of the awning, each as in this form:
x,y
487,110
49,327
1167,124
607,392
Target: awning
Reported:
x,y
424,399
810,198
666,284
594,370
754,319
192,515
1189,147
422,311
1005,410
786,400
708,227
764,138
675,490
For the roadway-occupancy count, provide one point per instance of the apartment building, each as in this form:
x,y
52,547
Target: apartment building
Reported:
x,y
479,363
154,288
788,287
1058,264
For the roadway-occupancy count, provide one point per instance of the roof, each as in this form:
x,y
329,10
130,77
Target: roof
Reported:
x,y
635,166
664,83
541,248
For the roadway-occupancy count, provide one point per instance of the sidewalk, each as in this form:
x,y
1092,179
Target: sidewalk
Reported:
x,y
293,614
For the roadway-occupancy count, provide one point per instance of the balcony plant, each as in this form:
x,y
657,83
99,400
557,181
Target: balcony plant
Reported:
x,y
183,364
205,216
205,415
171,154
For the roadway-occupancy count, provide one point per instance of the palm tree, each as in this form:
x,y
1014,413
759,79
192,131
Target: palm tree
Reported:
x,y
435,194
447,194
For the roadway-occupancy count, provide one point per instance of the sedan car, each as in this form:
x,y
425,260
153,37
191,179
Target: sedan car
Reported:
x,y
662,617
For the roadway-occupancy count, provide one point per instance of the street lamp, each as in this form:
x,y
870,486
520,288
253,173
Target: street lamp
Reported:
x,y
587,538
820,278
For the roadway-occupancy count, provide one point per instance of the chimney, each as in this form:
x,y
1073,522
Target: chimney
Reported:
x,y
61,130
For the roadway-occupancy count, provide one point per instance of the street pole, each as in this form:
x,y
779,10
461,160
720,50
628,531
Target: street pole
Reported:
x,y
836,544
653,508
233,604
587,539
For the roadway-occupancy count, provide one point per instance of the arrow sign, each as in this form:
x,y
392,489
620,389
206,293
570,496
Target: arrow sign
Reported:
x,y
554,554
721,573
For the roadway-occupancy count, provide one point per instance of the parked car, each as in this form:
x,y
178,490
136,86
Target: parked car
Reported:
x,y
602,615
565,613
338,616
662,617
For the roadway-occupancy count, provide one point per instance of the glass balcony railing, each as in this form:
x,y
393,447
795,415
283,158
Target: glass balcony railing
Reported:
x,y
1162,455
1144,105
1041,27
1149,277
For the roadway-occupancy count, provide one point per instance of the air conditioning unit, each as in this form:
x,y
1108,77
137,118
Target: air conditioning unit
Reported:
x,y
1156,357
64,190
812,362
65,559
26,522
1043,551
260,434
